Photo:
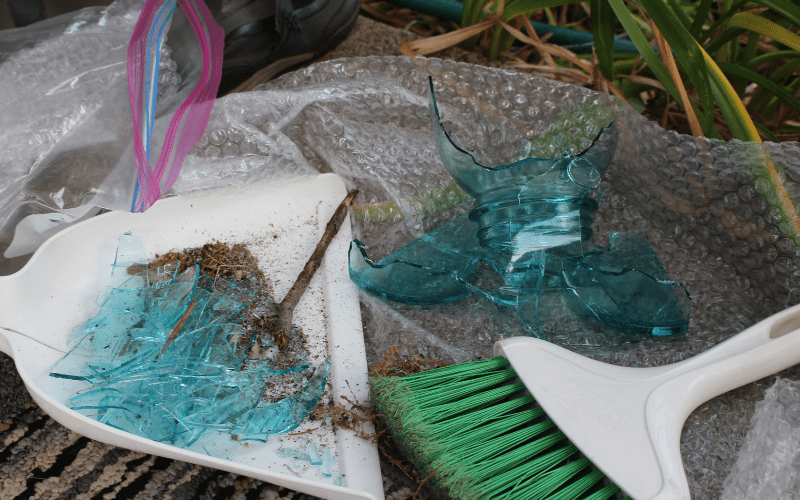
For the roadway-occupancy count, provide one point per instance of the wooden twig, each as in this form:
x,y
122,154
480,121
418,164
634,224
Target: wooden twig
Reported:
x,y
175,331
422,484
546,57
287,305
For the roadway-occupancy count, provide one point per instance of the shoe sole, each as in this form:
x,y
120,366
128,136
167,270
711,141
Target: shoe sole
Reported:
x,y
281,65
266,74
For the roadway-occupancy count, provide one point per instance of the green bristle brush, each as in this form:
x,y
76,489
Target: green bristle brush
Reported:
x,y
541,422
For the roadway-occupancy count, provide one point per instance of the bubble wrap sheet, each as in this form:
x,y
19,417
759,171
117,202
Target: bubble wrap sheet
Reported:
x,y
768,467
700,203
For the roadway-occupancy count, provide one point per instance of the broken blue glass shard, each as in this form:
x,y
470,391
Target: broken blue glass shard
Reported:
x,y
328,460
295,454
313,454
286,414
165,359
532,225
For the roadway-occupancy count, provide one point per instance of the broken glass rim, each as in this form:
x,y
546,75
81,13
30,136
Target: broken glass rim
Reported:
x,y
518,163
365,284
609,272
511,298
362,247
380,265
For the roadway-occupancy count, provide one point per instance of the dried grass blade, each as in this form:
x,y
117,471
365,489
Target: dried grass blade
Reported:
x,y
669,62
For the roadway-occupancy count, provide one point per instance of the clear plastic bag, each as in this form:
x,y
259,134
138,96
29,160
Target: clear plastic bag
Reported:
x,y
190,118
66,148
768,465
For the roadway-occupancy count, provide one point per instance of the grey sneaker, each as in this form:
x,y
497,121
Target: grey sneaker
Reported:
x,y
279,35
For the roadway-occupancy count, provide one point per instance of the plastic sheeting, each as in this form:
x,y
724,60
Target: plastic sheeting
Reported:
x,y
703,205
769,461
65,119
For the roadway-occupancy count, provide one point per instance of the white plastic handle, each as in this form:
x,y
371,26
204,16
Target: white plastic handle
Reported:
x,y
763,349
768,344
777,332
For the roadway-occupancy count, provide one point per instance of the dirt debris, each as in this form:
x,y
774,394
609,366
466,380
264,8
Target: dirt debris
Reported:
x,y
395,365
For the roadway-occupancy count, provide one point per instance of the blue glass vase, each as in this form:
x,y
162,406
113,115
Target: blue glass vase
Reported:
x,y
532,224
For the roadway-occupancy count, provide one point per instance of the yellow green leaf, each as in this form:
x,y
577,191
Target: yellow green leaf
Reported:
x,y
758,24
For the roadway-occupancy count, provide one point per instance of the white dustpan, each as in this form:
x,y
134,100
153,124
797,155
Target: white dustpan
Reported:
x,y
628,421
42,304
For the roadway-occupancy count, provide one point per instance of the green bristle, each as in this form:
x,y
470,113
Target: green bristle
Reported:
x,y
469,399
434,377
489,444
469,421
541,486
400,395
455,442
606,492
580,486
479,476
458,390
473,429
421,417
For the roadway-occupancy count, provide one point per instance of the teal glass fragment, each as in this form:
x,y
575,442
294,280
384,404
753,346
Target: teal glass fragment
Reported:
x,y
328,460
286,414
532,225
313,454
295,454
175,388
429,270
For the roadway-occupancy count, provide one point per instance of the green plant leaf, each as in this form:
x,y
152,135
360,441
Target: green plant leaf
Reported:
x,y
502,41
767,132
688,55
750,50
722,18
758,24
763,101
764,82
700,17
732,108
789,9
680,14
653,61
786,70
471,14
772,56
528,7
603,21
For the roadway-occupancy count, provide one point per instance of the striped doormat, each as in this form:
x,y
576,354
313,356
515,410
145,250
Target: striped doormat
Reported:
x,y
42,460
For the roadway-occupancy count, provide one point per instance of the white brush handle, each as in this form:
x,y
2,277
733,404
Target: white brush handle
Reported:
x,y
763,341
764,349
